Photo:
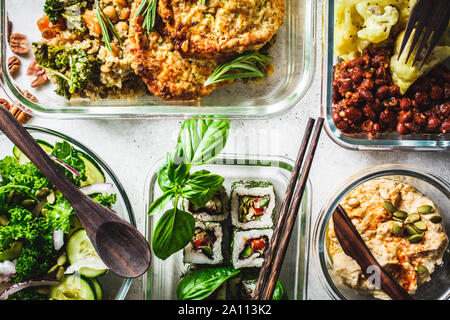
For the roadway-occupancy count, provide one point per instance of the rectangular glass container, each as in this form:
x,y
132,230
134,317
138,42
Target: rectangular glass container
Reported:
x,y
293,59
161,280
381,142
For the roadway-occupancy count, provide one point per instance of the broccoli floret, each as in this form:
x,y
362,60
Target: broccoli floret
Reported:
x,y
73,67
74,20
70,10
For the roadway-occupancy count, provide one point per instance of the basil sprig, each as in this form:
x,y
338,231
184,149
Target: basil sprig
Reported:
x,y
200,284
199,142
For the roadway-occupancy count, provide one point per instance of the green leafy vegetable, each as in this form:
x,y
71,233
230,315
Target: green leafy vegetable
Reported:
x,y
70,10
244,67
147,9
66,153
74,68
172,233
200,284
201,187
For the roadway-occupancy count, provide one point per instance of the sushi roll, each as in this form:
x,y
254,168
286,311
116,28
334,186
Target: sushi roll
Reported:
x,y
252,205
206,245
215,210
249,247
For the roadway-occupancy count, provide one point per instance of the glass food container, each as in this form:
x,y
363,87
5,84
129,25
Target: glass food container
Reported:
x,y
430,184
161,280
293,52
114,286
380,142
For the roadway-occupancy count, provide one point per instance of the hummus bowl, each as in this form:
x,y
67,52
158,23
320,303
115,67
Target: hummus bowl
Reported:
x,y
346,283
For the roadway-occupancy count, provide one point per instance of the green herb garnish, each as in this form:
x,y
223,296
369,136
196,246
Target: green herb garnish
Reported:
x,y
106,25
147,9
199,142
244,67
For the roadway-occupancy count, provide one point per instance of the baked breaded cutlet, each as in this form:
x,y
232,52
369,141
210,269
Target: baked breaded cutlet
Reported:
x,y
167,74
221,27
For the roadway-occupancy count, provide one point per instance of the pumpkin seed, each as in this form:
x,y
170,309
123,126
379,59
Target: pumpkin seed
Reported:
x,y
60,274
415,238
436,219
4,221
397,219
420,225
421,268
396,229
388,206
62,259
410,231
425,209
51,198
28,203
42,193
413,217
400,214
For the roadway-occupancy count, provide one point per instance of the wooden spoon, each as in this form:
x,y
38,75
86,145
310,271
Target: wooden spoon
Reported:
x,y
355,247
120,245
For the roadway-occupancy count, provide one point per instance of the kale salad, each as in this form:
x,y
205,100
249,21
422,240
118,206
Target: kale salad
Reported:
x,y
44,250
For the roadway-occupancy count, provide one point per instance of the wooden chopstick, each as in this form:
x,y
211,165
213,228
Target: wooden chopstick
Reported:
x,y
271,268
285,206
355,247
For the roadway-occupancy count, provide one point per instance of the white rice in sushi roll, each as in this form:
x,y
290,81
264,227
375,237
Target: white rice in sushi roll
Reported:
x,y
252,189
211,212
241,239
199,255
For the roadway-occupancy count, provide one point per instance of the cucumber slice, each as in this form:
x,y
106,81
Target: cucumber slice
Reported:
x,y
97,288
73,287
93,172
47,147
79,247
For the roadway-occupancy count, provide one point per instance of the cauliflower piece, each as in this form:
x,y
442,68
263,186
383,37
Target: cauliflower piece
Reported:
x,y
405,74
377,25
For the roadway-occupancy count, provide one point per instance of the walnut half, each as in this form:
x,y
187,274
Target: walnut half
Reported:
x,y
19,43
38,73
13,66
19,114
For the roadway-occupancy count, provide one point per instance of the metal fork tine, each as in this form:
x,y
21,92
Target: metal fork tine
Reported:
x,y
442,24
426,34
420,26
413,19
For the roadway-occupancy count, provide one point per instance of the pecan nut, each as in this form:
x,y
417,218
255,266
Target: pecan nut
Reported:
x,y
19,43
21,116
13,66
39,74
29,96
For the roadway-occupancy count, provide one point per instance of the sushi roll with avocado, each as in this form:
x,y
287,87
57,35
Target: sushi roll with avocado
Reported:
x,y
215,210
252,205
206,245
249,247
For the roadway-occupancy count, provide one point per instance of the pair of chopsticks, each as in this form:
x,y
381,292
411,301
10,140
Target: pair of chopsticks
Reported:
x,y
355,247
276,251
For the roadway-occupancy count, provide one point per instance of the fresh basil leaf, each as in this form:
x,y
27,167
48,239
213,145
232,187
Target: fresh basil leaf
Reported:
x,y
279,293
201,187
200,284
203,140
172,233
173,173
160,203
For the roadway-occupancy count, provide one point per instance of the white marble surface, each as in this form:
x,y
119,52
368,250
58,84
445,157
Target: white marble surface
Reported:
x,y
131,147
